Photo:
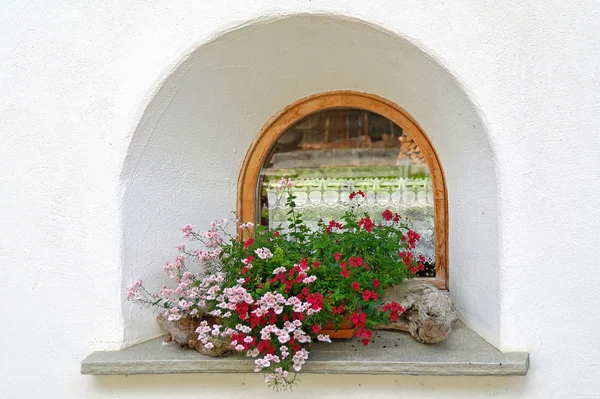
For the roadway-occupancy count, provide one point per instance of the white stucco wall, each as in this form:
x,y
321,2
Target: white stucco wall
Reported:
x,y
115,119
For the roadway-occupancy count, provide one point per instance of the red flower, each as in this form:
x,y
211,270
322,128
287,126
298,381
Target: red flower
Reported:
x,y
316,301
338,309
298,316
394,308
337,256
376,283
366,295
345,273
356,286
397,218
332,224
355,261
244,270
343,264
276,233
367,223
304,265
365,333
316,264
366,336
387,215
316,328
248,242
406,257
413,238
242,310
359,319
355,193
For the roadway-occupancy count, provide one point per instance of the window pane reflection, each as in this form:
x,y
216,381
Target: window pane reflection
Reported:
x,y
333,152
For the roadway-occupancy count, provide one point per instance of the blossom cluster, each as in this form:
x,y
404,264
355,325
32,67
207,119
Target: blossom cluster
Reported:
x,y
269,294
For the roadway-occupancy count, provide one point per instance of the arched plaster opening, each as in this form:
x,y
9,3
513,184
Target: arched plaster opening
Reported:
x,y
185,155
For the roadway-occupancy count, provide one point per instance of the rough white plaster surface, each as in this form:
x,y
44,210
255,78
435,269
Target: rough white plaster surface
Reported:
x,y
121,122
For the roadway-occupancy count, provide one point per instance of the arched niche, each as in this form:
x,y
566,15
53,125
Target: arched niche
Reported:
x,y
185,155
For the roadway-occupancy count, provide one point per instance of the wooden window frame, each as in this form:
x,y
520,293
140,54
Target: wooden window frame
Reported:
x,y
279,123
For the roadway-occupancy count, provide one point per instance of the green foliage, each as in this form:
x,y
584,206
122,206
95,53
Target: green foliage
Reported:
x,y
340,280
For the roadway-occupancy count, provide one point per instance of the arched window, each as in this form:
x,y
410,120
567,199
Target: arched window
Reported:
x,y
336,142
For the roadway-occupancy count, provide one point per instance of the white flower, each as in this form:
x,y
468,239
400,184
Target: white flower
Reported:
x,y
263,253
323,338
309,280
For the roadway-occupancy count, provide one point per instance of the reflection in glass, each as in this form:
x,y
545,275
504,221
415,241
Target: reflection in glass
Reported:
x,y
336,151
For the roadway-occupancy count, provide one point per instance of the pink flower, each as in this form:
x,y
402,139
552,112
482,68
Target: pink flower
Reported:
x,y
187,230
286,183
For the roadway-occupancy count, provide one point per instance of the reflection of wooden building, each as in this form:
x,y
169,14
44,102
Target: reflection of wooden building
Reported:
x,y
410,150
350,129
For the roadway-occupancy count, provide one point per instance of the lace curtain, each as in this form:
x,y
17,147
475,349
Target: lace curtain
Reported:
x,y
327,198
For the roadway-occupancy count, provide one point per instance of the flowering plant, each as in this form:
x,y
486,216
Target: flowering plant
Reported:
x,y
272,291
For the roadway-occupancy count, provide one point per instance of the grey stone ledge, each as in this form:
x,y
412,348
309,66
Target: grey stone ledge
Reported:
x,y
464,353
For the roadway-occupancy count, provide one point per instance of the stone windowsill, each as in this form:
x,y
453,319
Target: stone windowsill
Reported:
x,y
464,353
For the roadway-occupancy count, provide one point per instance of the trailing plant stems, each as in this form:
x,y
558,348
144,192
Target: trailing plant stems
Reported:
x,y
274,291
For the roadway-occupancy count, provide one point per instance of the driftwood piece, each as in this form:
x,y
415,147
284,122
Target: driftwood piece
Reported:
x,y
183,332
429,314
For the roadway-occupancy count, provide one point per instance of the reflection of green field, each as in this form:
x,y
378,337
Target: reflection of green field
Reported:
x,y
415,183
411,213
351,172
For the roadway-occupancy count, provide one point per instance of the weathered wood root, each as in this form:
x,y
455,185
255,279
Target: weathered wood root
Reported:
x,y
183,331
429,313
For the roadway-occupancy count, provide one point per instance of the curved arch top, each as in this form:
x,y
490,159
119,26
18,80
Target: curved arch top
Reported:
x,y
277,125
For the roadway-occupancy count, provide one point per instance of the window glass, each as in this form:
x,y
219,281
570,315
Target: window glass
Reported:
x,y
336,151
